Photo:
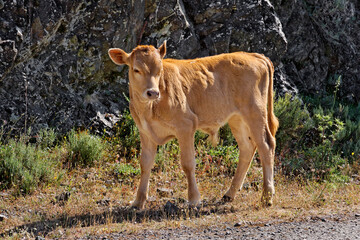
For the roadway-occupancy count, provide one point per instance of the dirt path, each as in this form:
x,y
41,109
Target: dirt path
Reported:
x,y
343,227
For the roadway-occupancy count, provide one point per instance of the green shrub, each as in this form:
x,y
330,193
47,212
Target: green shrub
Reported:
x,y
327,126
349,143
167,155
318,163
83,149
46,138
226,136
25,166
217,160
293,117
307,142
127,136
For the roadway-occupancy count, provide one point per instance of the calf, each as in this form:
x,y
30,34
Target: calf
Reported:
x,y
173,98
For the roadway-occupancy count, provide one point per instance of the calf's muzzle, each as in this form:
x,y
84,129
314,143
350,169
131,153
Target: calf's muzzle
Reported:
x,y
152,94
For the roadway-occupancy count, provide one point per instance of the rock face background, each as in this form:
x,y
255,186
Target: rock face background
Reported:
x,y
55,71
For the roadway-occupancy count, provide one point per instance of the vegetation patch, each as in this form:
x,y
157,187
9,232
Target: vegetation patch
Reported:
x,y
317,168
315,142
83,148
25,166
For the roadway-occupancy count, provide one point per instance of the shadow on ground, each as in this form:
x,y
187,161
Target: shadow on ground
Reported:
x,y
169,211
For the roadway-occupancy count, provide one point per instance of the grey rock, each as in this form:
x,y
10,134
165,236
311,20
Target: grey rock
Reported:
x,y
171,208
62,198
54,68
323,44
164,192
55,72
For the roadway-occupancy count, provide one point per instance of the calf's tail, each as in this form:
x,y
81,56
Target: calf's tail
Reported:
x,y
272,119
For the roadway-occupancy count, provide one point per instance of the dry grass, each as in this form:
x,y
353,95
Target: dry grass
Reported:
x,y
97,198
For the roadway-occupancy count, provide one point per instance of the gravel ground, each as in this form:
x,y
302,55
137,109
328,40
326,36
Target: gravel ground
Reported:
x,y
313,228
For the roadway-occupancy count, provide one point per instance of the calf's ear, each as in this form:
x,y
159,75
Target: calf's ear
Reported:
x,y
162,49
118,56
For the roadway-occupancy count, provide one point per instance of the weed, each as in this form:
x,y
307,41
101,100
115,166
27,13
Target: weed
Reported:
x,y
167,155
124,171
83,149
127,136
47,138
25,166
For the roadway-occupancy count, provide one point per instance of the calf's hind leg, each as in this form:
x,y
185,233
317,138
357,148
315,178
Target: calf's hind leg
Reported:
x,y
266,149
265,143
247,148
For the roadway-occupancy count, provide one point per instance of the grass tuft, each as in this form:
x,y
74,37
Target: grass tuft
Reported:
x,y
25,166
83,149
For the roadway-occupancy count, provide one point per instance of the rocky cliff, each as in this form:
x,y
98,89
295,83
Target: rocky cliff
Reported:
x,y
55,72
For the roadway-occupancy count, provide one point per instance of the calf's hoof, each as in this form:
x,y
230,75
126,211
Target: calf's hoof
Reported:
x,y
192,206
226,199
137,205
194,203
266,200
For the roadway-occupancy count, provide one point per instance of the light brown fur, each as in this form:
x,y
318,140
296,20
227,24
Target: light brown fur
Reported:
x,y
173,98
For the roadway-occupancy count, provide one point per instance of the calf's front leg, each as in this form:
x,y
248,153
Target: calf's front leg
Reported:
x,y
188,164
148,152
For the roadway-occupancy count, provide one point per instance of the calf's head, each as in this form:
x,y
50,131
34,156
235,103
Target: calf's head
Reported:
x,y
145,69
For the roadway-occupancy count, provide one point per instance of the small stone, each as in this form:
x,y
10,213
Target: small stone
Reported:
x,y
3,194
3,217
109,182
151,199
63,197
357,215
238,224
103,202
170,208
164,192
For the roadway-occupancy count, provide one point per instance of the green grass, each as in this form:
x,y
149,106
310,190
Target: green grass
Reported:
x,y
83,149
125,171
317,139
25,166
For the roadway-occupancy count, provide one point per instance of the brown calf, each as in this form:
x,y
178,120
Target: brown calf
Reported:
x,y
173,98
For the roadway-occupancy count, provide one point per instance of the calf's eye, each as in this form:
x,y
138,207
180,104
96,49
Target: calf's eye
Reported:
x,y
136,70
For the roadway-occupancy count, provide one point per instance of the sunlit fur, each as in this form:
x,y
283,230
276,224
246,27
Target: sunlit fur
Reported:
x,y
203,93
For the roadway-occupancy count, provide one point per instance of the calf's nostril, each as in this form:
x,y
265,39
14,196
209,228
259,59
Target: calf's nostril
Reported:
x,y
152,94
